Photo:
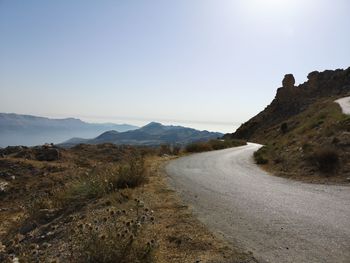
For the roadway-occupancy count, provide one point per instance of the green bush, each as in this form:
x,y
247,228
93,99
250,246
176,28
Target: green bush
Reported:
x,y
198,147
213,145
260,155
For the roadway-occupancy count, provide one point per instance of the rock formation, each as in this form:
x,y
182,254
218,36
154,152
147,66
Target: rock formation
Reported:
x,y
291,100
288,81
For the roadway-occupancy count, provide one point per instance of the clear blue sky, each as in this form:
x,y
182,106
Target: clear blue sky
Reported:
x,y
205,63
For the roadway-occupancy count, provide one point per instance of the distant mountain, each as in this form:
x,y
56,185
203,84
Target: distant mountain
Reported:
x,y
152,134
16,129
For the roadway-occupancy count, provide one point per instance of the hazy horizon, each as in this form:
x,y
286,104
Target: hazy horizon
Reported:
x,y
206,64
228,127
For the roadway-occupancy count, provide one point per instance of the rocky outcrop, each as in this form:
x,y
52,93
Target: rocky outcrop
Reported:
x,y
288,81
291,100
47,152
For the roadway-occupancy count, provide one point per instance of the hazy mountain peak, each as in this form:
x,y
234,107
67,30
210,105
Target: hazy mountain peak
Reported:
x,y
154,133
152,124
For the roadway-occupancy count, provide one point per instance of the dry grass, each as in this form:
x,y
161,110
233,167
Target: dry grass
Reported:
x,y
107,209
114,236
313,146
180,236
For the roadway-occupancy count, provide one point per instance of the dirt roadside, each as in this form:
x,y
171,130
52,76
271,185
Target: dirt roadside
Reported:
x,y
183,238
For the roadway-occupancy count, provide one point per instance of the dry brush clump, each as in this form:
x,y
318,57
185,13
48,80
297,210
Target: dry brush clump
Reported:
x,y
212,145
98,182
326,159
80,189
260,156
115,236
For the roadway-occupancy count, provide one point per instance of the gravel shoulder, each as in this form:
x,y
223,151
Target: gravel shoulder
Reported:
x,y
277,219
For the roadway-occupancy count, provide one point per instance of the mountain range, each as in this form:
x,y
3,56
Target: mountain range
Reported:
x,y
17,129
152,134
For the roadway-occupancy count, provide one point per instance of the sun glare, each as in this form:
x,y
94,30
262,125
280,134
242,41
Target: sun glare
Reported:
x,y
269,6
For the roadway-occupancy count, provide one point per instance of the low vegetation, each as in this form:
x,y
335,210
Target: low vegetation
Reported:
x,y
325,159
98,203
312,146
260,155
212,145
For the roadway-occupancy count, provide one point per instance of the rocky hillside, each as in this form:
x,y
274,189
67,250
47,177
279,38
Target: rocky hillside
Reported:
x,y
305,133
152,134
291,100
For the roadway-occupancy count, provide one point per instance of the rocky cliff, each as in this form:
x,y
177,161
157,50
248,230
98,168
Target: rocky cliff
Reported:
x,y
291,100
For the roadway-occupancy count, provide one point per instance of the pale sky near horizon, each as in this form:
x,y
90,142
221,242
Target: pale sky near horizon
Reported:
x,y
207,64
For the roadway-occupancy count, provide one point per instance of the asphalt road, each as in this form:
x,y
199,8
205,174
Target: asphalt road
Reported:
x,y
277,219
344,104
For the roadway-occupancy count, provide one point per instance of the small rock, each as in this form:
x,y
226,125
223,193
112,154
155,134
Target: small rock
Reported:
x,y
2,248
3,186
46,245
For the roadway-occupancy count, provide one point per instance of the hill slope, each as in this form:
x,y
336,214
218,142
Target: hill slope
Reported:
x,y
291,100
305,132
151,134
16,129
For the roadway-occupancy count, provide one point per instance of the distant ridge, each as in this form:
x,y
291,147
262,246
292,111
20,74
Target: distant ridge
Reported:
x,y
29,130
151,134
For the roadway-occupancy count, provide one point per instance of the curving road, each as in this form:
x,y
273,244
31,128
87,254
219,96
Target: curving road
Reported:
x,y
277,219
344,104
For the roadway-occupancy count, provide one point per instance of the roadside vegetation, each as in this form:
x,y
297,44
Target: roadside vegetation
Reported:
x,y
98,203
212,145
313,146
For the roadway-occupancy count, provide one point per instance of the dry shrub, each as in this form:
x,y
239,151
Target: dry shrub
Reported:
x,y
167,149
260,156
198,147
213,145
100,181
115,236
131,173
326,159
